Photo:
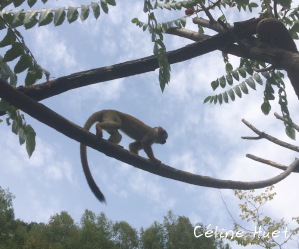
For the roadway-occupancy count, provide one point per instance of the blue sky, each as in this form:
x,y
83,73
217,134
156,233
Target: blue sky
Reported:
x,y
203,139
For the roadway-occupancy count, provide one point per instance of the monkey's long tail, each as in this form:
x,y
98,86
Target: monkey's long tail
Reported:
x,y
92,184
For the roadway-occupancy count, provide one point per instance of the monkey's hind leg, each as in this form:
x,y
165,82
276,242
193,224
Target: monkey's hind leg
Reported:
x,y
112,128
135,147
115,137
99,131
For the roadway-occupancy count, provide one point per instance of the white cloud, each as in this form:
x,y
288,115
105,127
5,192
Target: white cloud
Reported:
x,y
45,163
54,52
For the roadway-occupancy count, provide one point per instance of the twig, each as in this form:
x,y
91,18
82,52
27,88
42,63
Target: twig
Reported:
x,y
282,119
269,137
236,38
207,24
271,163
209,15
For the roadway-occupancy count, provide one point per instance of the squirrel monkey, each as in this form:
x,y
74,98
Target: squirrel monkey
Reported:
x,y
112,121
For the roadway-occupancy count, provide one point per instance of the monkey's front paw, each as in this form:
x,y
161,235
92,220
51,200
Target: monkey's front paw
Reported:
x,y
99,134
156,161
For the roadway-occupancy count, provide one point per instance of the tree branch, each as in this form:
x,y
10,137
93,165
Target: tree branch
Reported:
x,y
296,127
146,64
207,24
71,130
271,163
268,137
223,42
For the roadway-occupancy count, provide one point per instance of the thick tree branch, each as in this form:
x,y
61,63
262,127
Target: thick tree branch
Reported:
x,y
146,64
71,130
223,42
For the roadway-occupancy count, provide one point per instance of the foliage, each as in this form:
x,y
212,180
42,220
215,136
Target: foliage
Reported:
x,y
273,78
19,126
267,230
245,71
157,29
18,52
290,19
176,232
97,231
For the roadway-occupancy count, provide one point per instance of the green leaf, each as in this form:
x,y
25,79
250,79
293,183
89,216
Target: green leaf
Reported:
x,y
225,97
96,10
135,20
258,79
266,75
16,50
34,73
266,107
228,67
46,17
111,2
30,19
238,91
31,2
167,6
249,69
30,141
285,3
242,72
215,84
22,136
183,21
229,79
231,94
59,16
290,131
250,82
72,14
84,12
9,39
244,88
253,5
219,97
207,99
15,126
235,74
24,63
17,3
104,6
272,81
222,82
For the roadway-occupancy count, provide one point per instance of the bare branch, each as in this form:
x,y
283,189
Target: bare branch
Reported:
x,y
269,162
207,24
185,33
282,119
71,130
209,15
269,137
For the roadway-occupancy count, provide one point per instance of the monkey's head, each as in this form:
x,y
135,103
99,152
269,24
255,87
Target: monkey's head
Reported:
x,y
161,135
